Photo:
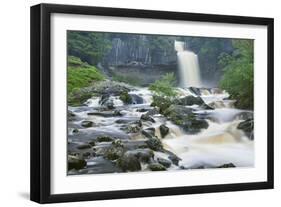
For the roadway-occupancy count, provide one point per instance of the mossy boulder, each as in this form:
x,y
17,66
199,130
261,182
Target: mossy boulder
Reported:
x,y
189,101
149,132
185,118
247,127
84,146
125,97
128,162
156,167
113,153
155,144
87,124
143,155
146,117
164,162
104,139
76,163
164,130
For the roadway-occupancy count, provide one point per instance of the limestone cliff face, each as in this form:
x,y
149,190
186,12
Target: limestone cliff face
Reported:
x,y
139,50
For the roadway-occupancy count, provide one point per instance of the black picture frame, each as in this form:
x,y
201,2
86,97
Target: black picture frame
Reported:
x,y
41,99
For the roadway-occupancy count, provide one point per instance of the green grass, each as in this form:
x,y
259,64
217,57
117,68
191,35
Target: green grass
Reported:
x,y
80,74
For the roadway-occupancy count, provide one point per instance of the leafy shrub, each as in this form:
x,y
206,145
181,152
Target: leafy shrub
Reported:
x,y
165,86
238,77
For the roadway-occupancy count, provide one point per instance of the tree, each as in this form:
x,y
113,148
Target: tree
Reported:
x,y
90,47
238,77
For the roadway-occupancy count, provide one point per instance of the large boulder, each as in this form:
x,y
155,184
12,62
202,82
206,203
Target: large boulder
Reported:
x,y
185,118
156,167
247,127
87,124
129,162
164,130
164,162
104,139
114,153
155,144
195,90
75,162
125,97
189,101
149,132
136,99
146,117
143,155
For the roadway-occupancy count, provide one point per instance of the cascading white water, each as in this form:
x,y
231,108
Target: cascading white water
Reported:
x,y
188,66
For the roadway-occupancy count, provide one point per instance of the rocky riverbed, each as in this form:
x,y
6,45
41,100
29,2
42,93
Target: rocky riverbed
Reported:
x,y
121,128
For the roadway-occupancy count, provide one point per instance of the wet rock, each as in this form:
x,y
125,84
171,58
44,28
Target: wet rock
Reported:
x,y
86,154
125,97
149,132
195,90
174,158
129,120
228,165
128,162
98,165
84,146
143,155
246,115
104,139
132,128
164,162
216,91
164,130
142,110
106,101
156,167
189,101
136,99
87,124
247,127
92,143
152,112
146,117
155,144
113,153
106,113
75,163
206,107
161,102
117,143
185,118
70,115
108,87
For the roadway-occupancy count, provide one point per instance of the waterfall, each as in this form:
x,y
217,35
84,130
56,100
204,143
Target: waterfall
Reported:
x,y
188,66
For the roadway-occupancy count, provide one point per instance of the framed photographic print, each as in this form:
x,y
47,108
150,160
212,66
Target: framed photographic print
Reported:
x,y
132,103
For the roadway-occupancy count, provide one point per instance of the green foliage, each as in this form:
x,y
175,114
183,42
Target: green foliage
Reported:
x,y
79,75
125,97
90,47
238,77
165,86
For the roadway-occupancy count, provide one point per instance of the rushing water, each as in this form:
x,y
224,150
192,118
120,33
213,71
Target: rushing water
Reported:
x,y
219,144
188,66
